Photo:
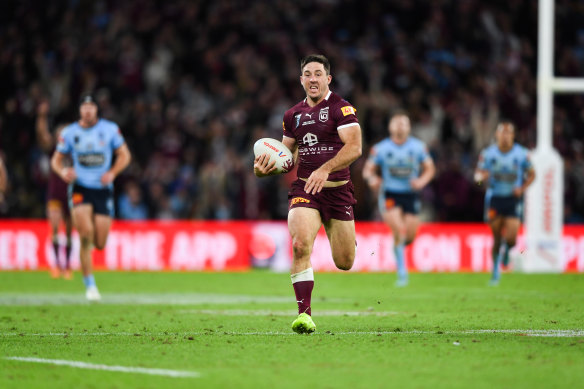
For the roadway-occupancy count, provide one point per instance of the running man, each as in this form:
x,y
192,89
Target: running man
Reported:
x,y
399,167
57,204
506,168
92,143
324,135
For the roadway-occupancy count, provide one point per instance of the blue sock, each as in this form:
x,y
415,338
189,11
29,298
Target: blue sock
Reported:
x,y
89,281
497,267
505,247
402,271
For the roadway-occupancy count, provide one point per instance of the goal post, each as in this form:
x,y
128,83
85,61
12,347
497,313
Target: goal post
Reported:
x,y
544,211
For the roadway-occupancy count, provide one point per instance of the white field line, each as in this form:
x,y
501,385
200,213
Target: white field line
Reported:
x,y
123,369
291,312
577,333
27,299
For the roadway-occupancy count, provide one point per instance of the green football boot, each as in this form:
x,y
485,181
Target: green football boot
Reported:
x,y
303,324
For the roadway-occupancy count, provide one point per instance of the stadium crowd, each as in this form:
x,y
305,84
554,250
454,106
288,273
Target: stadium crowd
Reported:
x,y
193,84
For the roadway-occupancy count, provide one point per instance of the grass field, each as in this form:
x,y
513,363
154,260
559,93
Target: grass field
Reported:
x,y
232,330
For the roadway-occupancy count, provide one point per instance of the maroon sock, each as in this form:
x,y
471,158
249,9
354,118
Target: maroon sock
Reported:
x,y
68,256
56,249
303,291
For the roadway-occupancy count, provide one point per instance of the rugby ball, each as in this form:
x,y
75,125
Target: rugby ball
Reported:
x,y
277,152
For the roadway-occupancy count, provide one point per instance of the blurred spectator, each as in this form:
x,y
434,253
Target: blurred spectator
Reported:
x,y
130,203
194,83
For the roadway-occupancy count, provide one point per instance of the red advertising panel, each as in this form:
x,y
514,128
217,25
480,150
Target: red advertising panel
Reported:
x,y
235,246
153,246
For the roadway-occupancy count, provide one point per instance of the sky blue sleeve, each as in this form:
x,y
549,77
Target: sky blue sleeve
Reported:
x,y
117,138
527,166
482,164
423,153
64,141
375,155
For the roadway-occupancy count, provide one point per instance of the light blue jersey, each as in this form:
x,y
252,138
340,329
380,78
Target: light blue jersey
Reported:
x,y
506,170
91,149
399,163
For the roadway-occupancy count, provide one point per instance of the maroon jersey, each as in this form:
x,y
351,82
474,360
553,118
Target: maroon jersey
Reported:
x,y
316,132
57,188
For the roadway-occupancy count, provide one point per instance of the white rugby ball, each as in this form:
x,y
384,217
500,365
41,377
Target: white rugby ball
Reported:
x,y
277,151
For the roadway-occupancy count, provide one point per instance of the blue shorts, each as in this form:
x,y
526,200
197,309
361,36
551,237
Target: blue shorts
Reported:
x,y
101,199
408,202
506,206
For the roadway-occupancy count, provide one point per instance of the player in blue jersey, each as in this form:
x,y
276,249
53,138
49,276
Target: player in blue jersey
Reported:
x,y
506,168
92,143
398,168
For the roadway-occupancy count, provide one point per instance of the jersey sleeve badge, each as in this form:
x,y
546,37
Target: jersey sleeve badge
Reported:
x,y
348,110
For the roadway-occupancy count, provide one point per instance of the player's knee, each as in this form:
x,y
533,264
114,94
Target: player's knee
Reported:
x,y
99,245
345,265
86,241
511,242
300,247
344,262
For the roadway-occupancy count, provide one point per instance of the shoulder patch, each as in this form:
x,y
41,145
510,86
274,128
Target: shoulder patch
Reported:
x,y
348,110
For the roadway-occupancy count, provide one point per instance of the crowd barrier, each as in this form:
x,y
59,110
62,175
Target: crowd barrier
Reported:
x,y
242,245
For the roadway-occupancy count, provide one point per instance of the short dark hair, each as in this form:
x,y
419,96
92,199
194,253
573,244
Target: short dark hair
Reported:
x,y
316,58
87,98
508,122
396,113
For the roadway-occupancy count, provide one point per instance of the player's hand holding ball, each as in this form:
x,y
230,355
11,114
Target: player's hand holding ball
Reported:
x,y
271,157
262,166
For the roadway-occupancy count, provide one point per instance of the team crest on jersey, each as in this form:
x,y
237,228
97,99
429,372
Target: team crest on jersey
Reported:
x,y
298,119
323,114
348,110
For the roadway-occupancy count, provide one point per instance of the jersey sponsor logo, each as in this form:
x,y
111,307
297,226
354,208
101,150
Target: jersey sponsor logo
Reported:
x,y
91,159
297,200
77,198
308,122
401,171
505,176
389,203
323,114
310,139
315,150
309,115
348,110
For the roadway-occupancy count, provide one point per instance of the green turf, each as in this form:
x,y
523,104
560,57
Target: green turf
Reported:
x,y
234,330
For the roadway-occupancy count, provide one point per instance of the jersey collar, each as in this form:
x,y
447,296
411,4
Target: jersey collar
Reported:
x,y
330,92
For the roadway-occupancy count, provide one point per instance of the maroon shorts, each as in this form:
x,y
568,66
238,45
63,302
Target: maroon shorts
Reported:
x,y
332,203
57,193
